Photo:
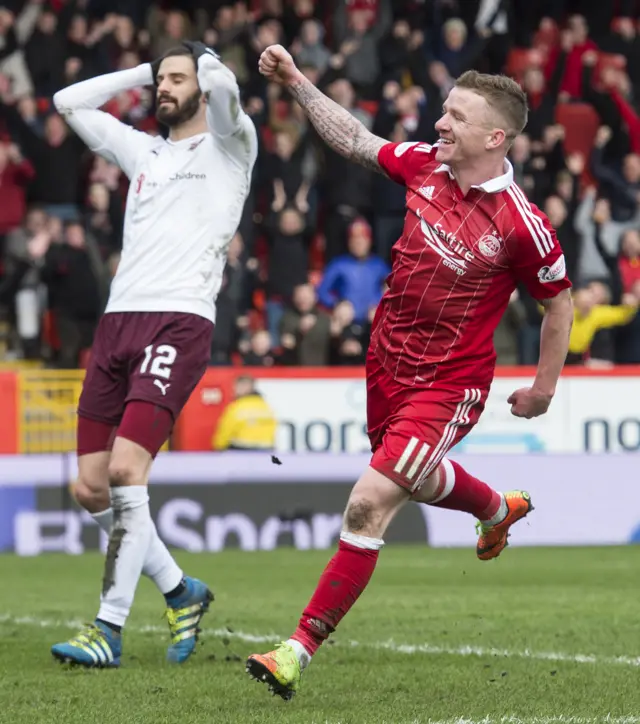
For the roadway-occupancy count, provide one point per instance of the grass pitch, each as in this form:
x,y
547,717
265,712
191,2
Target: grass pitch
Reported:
x,y
539,636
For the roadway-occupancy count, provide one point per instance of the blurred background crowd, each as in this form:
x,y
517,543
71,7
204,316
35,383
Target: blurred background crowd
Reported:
x,y
307,266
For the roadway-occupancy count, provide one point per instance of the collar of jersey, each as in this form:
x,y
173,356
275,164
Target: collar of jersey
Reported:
x,y
492,186
190,139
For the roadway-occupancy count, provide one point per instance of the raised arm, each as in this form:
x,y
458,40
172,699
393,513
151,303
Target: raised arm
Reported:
x,y
225,118
103,133
334,124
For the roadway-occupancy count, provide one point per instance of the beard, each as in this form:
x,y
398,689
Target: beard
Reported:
x,y
174,114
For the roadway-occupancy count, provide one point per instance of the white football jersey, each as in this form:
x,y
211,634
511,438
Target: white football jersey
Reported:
x,y
185,198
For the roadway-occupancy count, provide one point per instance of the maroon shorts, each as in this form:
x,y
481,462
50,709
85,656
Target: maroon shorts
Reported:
x,y
155,357
411,429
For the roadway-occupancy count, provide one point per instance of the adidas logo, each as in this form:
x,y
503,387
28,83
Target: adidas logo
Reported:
x,y
427,192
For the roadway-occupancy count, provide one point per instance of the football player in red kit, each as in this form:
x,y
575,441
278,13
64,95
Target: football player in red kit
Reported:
x,y
470,235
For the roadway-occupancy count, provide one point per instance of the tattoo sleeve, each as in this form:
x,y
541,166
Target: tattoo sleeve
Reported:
x,y
337,127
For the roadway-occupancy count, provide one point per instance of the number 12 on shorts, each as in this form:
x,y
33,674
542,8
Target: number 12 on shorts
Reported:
x,y
158,363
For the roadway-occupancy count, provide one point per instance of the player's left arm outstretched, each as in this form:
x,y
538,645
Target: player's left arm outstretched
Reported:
x,y
538,261
225,117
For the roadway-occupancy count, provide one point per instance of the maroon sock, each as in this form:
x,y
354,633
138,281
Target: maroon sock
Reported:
x,y
342,581
468,494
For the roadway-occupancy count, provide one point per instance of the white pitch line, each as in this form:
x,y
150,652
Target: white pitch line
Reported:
x,y
608,719
390,645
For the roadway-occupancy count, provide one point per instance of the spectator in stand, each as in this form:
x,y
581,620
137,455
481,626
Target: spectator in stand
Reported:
x,y
288,236
15,174
492,23
44,53
561,214
349,338
56,158
457,50
621,188
623,344
18,262
575,44
591,317
12,61
167,29
309,49
590,261
259,353
507,334
247,423
542,95
357,33
629,261
73,274
296,13
305,330
357,277
233,303
391,63
292,171
347,187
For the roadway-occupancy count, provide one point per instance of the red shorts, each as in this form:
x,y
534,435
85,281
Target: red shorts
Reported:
x,y
155,357
411,429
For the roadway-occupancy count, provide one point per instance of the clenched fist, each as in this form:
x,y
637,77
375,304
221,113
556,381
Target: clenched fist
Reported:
x,y
528,402
277,65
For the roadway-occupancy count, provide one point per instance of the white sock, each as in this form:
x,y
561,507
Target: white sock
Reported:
x,y
159,564
129,542
304,657
501,513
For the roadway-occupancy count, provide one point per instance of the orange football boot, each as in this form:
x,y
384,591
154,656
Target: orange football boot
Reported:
x,y
279,669
492,539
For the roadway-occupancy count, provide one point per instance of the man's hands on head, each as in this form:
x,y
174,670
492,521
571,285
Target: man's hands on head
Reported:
x,y
198,50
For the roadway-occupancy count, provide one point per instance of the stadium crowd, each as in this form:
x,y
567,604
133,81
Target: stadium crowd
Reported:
x,y
307,266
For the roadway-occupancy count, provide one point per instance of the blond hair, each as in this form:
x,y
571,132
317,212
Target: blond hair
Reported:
x,y
503,95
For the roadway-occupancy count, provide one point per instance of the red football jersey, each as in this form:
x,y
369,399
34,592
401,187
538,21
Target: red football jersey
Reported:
x,y
454,268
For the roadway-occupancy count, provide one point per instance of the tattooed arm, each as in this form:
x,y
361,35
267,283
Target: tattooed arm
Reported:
x,y
335,125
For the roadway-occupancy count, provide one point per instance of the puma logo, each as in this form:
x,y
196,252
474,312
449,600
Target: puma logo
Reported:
x,y
163,387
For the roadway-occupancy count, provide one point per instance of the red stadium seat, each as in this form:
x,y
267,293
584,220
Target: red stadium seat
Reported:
x,y
370,107
581,122
520,60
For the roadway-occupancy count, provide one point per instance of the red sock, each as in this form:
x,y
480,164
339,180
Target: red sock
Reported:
x,y
342,581
468,494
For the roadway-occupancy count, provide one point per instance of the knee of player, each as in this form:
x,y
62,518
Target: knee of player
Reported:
x,y
91,496
121,474
360,516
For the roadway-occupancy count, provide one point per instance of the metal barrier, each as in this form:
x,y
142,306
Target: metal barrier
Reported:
x,y
47,405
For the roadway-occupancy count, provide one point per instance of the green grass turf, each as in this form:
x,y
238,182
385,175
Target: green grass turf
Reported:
x,y
560,601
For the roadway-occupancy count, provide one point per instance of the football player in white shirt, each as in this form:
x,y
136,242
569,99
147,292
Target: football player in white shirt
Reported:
x,y
153,343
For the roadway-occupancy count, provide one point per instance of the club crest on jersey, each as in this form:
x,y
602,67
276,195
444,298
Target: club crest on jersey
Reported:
x,y
490,245
553,273
139,182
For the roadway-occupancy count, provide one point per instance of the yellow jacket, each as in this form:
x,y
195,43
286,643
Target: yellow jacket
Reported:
x,y
601,316
247,423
